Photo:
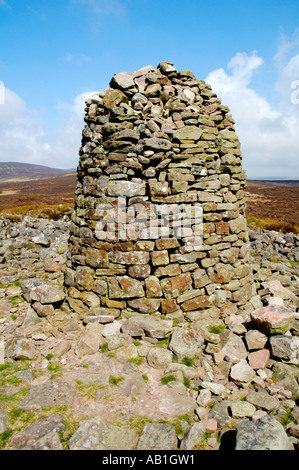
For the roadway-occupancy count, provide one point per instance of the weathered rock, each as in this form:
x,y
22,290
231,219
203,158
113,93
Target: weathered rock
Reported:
x,y
215,388
147,326
177,285
264,434
157,436
125,188
125,287
172,404
285,348
125,353
221,412
242,409
95,434
288,376
234,348
255,340
122,80
262,400
145,305
41,435
23,349
188,133
90,340
42,291
273,320
242,373
185,343
159,358
193,437
258,359
4,425
49,394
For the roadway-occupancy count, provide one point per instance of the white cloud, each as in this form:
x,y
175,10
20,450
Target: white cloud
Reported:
x,y
268,134
23,139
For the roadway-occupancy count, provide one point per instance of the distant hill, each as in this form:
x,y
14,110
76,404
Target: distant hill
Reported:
x,y
15,171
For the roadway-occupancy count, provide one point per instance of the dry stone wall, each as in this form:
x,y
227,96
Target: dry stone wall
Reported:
x,y
159,224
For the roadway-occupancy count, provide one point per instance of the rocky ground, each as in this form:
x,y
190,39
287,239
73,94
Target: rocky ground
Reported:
x,y
144,382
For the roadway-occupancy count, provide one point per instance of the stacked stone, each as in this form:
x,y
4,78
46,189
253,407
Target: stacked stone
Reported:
x,y
158,137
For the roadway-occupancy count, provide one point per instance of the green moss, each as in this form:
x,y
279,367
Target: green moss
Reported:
x,y
10,380
13,400
217,329
19,418
294,264
115,380
56,370
5,366
168,378
177,423
145,377
188,361
89,391
136,360
4,438
287,417
16,300
138,422
186,382
162,343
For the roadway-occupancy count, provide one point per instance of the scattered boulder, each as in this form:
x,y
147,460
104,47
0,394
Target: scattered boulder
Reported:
x,y
273,320
145,325
242,373
157,436
185,343
48,394
264,434
41,435
42,291
96,434
159,358
194,436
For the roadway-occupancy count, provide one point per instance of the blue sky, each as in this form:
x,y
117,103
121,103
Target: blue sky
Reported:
x,y
54,53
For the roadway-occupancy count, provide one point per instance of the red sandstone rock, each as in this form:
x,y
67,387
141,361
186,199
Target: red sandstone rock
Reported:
x,y
258,359
273,320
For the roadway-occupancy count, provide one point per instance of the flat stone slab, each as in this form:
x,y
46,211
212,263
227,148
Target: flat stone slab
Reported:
x,y
157,436
49,394
143,325
173,404
264,434
43,291
262,400
96,434
41,435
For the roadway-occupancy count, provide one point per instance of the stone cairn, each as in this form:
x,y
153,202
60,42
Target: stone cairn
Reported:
x,y
156,146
